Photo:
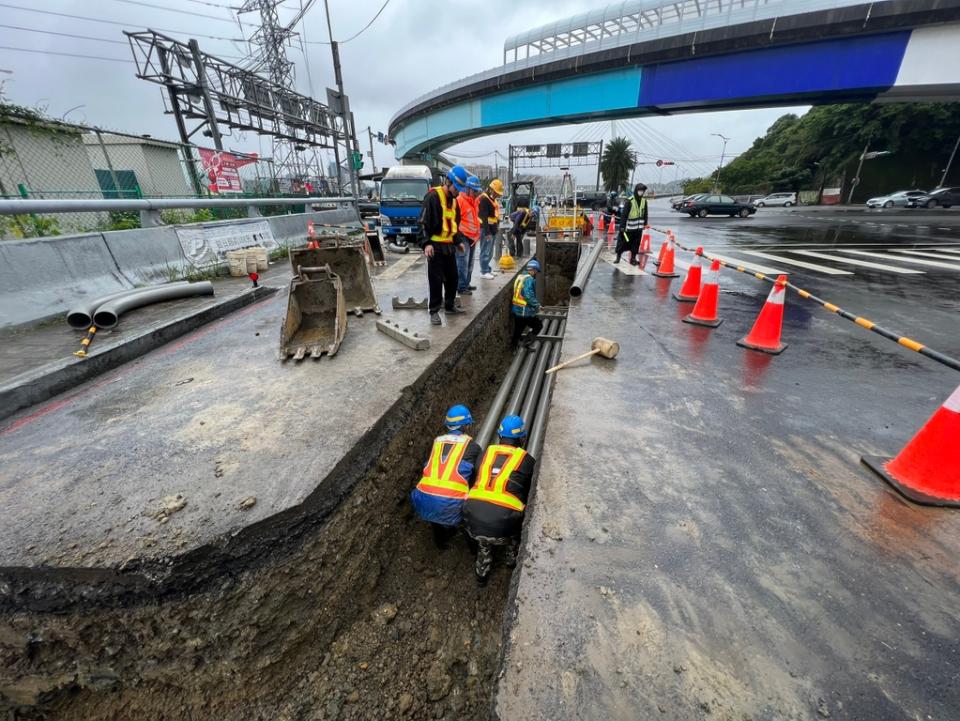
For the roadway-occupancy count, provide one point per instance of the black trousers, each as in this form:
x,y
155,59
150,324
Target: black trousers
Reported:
x,y
517,250
443,276
630,243
534,323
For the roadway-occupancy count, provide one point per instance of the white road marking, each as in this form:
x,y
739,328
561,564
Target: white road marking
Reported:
x,y
624,265
798,263
884,256
400,266
925,255
749,266
944,250
862,263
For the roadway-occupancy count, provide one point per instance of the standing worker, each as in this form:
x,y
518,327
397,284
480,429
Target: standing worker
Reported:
x,y
525,305
493,511
441,492
440,239
470,228
522,219
633,219
489,211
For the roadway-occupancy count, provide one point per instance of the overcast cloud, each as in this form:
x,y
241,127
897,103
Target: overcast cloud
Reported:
x,y
413,47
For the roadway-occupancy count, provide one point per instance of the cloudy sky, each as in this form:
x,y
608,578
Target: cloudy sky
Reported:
x,y
411,48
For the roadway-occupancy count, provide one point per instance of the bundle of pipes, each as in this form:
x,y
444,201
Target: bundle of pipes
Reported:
x,y
525,390
105,311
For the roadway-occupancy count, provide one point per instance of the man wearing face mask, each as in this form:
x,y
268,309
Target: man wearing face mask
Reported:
x,y
633,219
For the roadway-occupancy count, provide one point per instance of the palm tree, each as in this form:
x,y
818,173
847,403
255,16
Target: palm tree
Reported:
x,y
617,164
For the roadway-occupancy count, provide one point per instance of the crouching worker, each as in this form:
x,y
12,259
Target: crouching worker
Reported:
x,y
439,496
493,513
525,304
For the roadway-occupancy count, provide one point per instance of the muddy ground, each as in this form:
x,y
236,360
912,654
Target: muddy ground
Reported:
x,y
351,616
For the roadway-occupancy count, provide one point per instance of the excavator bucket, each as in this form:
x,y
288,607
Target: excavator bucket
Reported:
x,y
316,319
346,260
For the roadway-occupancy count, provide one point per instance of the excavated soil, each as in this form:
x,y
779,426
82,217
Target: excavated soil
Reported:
x,y
350,614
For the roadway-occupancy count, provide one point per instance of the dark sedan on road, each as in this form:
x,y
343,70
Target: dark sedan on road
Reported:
x,y
939,198
678,203
704,205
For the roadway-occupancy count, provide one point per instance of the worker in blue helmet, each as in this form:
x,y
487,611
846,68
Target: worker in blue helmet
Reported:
x,y
438,497
441,240
493,511
525,305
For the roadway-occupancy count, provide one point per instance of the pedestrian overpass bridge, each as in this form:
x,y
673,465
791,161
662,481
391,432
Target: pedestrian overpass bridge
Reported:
x,y
657,57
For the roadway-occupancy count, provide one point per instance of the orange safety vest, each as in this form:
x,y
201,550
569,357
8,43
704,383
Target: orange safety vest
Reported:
x,y
449,218
441,475
495,469
495,218
518,298
469,223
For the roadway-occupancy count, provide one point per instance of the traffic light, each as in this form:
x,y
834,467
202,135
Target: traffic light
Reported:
x,y
357,160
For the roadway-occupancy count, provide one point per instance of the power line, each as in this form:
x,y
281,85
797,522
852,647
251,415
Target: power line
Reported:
x,y
65,35
358,33
174,10
213,4
69,55
114,22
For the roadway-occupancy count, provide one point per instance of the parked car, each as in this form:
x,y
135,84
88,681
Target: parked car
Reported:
x,y
705,205
782,199
900,198
942,197
678,204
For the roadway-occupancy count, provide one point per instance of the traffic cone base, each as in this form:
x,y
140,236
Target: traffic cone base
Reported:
x,y
879,466
777,350
658,274
706,323
685,298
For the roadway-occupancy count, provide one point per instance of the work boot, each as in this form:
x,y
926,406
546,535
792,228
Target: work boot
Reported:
x,y
472,287
617,260
465,292
435,318
481,580
453,311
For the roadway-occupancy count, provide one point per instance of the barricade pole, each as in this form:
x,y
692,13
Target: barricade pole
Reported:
x,y
905,341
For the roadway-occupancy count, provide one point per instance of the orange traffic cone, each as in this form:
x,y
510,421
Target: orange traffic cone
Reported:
x,y
690,290
603,225
311,236
645,242
663,252
666,269
705,311
927,470
765,335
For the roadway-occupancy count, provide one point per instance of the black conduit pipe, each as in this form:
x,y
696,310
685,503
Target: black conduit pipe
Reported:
x,y
108,315
493,415
80,316
583,272
536,381
535,440
520,389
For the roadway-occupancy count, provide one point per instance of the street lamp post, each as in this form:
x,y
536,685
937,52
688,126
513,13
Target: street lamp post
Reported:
x,y
723,154
867,155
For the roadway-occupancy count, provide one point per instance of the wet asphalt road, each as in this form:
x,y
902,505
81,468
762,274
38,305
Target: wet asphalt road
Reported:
x,y
704,543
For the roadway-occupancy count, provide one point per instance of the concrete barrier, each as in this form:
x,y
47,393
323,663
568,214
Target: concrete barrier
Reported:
x,y
147,255
292,229
42,277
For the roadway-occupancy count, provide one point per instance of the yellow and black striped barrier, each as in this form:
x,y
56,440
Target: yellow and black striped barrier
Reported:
x,y
859,320
85,343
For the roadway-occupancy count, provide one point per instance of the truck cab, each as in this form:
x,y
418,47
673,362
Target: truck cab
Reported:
x,y
401,198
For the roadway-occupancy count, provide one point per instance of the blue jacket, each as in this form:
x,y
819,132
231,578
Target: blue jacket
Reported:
x,y
528,291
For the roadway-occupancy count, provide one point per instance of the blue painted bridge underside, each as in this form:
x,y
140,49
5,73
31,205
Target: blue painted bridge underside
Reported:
x,y
847,68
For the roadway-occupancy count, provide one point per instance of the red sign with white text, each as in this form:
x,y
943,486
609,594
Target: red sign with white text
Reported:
x,y
223,170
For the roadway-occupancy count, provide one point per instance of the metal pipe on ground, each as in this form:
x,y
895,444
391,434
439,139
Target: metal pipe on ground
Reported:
x,y
520,389
536,381
492,418
108,315
537,429
583,272
80,316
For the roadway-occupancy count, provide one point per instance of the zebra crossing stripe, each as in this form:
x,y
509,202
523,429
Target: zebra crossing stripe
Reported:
x,y
798,263
861,263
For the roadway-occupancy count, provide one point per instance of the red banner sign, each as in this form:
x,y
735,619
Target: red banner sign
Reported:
x,y
223,170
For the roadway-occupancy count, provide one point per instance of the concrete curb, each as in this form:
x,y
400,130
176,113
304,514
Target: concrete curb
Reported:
x,y
54,378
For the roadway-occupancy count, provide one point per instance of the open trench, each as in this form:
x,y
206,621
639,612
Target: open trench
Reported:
x,y
343,609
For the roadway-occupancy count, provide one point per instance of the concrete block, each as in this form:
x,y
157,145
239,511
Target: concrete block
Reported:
x,y
43,276
147,255
398,332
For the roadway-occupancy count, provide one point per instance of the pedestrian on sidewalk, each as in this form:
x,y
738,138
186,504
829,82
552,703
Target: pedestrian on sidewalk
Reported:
x,y
440,239
633,220
522,219
526,305
439,496
493,511
489,211
470,228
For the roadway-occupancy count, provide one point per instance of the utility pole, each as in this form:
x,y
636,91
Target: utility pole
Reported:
x,y
599,163
856,178
723,154
348,128
943,180
373,161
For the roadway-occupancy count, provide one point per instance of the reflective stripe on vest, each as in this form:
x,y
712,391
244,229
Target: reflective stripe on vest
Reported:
x,y
634,220
469,225
441,475
518,298
495,218
449,218
493,477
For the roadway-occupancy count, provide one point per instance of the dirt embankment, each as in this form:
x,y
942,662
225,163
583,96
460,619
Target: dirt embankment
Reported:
x,y
354,615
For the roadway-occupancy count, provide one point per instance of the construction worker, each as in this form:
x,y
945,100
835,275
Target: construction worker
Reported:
x,y
525,305
522,219
493,511
441,240
439,496
633,218
470,228
489,211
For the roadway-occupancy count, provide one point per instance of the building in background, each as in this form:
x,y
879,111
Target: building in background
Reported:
x,y
142,166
